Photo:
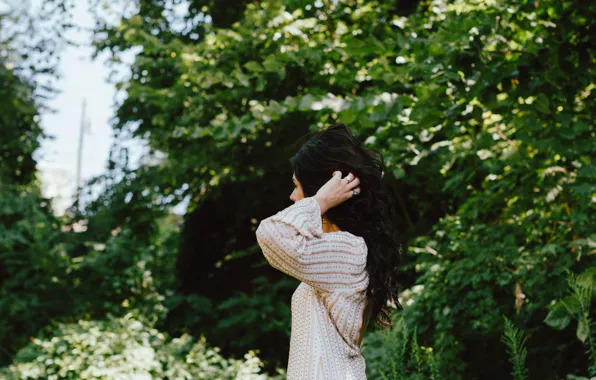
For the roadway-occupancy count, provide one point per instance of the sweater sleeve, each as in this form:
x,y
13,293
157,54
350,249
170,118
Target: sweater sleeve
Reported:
x,y
294,243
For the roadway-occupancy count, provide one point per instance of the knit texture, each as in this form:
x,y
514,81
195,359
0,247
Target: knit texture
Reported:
x,y
329,307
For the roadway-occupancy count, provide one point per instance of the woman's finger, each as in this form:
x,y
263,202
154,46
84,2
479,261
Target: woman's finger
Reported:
x,y
354,183
355,192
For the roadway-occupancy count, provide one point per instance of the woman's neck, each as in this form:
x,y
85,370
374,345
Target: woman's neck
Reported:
x,y
329,227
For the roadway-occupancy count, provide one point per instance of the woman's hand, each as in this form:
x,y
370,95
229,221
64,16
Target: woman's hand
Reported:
x,y
337,190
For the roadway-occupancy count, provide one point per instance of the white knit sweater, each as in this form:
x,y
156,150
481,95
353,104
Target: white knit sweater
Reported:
x,y
329,307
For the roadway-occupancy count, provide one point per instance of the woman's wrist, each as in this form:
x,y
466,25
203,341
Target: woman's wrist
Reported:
x,y
322,203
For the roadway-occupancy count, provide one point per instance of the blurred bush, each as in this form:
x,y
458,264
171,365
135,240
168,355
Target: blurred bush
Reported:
x,y
124,348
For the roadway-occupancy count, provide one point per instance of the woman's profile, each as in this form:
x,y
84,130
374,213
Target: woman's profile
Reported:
x,y
337,239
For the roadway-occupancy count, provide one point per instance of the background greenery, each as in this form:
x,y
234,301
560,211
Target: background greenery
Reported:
x,y
484,111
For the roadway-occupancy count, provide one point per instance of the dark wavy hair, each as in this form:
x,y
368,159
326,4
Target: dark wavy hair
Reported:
x,y
369,215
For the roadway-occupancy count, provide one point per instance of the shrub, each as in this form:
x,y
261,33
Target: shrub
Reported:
x,y
125,348
396,355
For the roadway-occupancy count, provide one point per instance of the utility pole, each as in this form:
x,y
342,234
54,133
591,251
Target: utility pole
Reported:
x,y
80,154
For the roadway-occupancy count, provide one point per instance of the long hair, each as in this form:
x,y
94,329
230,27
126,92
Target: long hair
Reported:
x,y
369,215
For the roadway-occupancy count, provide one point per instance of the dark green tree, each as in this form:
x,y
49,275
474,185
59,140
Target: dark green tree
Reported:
x,y
30,236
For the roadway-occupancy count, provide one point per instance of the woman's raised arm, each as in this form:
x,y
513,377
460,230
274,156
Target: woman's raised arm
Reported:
x,y
293,242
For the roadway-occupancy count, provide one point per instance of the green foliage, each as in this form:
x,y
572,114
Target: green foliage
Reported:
x,y
515,340
125,348
263,311
32,256
46,280
32,260
100,264
396,355
577,305
21,132
480,108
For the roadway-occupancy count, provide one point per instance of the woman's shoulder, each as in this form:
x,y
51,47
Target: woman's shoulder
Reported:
x,y
345,238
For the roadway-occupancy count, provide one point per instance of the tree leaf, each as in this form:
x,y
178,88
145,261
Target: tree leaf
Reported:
x,y
542,103
347,116
571,304
253,66
271,64
580,127
583,330
558,318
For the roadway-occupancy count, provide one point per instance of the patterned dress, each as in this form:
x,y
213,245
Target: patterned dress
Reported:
x,y
329,308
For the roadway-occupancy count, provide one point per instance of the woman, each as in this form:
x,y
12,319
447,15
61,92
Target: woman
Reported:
x,y
337,239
